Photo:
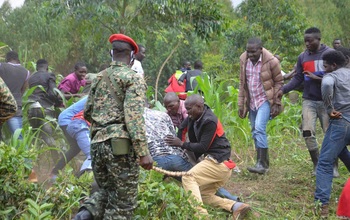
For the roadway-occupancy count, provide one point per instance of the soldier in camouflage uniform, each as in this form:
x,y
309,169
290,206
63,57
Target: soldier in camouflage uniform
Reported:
x,y
8,105
116,118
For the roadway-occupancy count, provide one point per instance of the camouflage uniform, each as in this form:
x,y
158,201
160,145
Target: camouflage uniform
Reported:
x,y
8,105
117,176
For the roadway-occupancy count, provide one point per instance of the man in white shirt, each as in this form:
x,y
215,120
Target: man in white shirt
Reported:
x,y
137,66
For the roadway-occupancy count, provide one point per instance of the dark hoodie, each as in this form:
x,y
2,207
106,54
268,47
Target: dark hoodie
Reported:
x,y
313,63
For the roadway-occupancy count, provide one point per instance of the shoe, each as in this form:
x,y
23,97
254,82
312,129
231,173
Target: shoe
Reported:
x,y
262,164
241,212
83,214
324,211
32,177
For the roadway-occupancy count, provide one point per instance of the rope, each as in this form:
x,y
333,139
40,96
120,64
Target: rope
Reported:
x,y
170,173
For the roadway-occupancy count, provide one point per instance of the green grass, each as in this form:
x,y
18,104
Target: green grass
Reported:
x,y
285,192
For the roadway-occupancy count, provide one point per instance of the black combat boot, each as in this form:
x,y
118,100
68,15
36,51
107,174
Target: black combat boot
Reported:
x,y
83,214
314,154
262,164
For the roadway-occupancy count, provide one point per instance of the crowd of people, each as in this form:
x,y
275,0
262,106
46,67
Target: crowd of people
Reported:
x,y
114,127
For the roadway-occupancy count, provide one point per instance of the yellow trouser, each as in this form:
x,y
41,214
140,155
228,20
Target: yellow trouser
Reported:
x,y
205,179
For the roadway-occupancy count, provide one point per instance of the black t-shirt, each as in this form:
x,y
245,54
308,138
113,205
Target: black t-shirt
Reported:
x,y
48,97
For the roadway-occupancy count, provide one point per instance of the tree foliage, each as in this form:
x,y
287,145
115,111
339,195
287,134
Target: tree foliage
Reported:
x,y
279,23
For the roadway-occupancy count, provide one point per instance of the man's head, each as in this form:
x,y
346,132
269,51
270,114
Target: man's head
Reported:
x,y
42,65
336,43
198,65
312,39
194,105
80,70
123,48
333,60
346,53
171,102
187,65
141,54
12,56
254,49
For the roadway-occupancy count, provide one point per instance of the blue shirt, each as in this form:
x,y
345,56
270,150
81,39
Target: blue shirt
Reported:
x,y
66,116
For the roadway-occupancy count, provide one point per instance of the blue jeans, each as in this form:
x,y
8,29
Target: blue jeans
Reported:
x,y
258,122
15,123
173,163
311,111
79,130
333,146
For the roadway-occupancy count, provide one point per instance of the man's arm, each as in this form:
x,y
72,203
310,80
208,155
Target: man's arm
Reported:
x,y
8,105
277,78
90,100
133,111
203,144
25,85
327,93
51,90
296,80
134,120
182,78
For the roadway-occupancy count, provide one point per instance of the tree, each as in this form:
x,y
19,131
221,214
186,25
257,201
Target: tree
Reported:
x,y
279,23
144,18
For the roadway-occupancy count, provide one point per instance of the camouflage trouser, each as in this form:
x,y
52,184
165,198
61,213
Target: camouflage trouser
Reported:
x,y
117,177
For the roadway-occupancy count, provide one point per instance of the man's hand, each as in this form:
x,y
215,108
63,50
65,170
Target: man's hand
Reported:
x,y
241,112
312,75
180,83
146,162
275,110
335,114
279,94
173,141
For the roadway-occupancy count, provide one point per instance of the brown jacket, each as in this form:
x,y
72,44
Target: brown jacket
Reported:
x,y
270,76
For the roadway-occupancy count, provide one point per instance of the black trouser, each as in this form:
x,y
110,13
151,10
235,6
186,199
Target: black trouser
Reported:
x,y
68,155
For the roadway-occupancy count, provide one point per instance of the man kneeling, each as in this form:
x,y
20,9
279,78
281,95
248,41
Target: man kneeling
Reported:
x,y
206,136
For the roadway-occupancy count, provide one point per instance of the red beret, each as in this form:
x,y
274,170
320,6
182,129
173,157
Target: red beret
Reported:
x,y
122,37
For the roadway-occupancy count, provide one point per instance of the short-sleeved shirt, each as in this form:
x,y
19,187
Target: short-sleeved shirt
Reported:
x,y
71,84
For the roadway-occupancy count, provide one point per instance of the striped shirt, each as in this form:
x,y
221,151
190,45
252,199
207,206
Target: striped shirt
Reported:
x,y
158,126
256,90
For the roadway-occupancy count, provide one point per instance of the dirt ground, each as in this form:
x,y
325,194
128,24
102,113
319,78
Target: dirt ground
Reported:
x,y
45,164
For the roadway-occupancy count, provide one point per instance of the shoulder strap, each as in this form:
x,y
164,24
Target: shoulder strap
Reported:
x,y
113,88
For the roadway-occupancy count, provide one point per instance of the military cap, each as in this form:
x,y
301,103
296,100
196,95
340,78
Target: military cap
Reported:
x,y
124,38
